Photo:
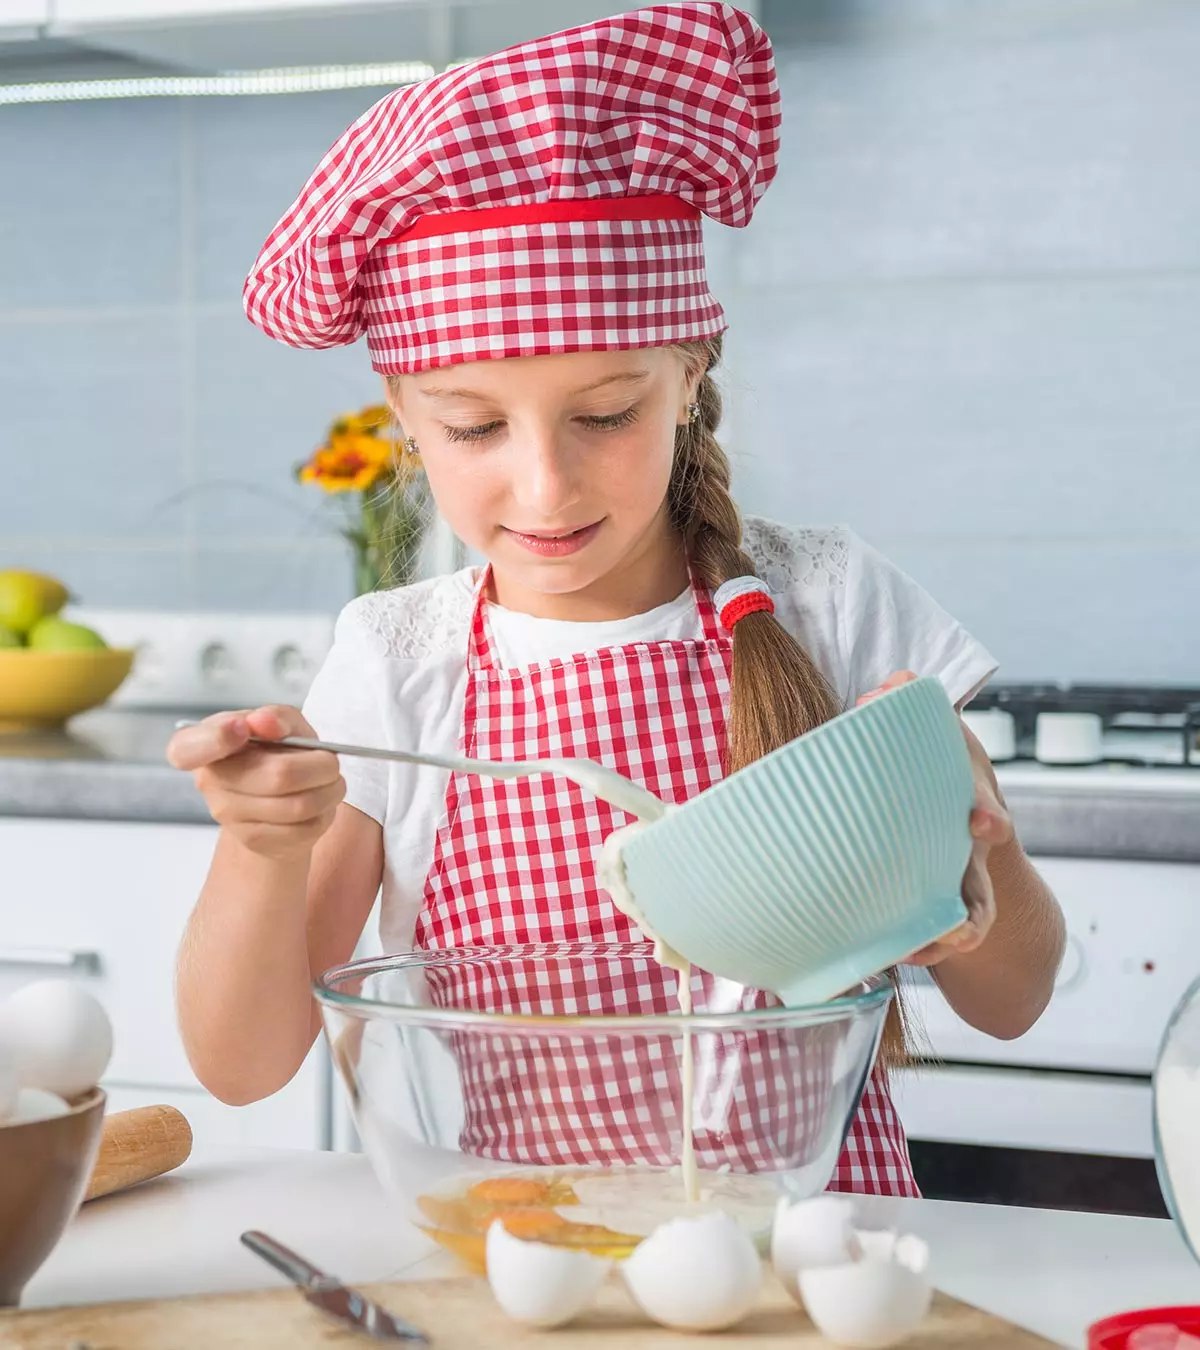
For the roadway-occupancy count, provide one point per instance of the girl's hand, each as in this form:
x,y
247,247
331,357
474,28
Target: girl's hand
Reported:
x,y
991,826
276,803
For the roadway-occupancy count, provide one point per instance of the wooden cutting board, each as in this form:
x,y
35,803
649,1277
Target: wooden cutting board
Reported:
x,y
456,1314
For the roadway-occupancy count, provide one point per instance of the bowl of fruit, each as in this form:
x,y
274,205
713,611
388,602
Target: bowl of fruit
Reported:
x,y
50,668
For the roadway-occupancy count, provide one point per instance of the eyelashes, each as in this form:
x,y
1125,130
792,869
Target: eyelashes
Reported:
x,y
486,430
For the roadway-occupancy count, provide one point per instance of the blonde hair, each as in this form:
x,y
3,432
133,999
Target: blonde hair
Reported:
x,y
777,691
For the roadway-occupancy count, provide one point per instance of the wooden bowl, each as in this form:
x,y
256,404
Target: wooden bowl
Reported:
x,y
43,689
45,1166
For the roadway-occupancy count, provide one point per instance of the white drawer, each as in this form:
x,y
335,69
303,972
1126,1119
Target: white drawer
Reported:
x,y
105,902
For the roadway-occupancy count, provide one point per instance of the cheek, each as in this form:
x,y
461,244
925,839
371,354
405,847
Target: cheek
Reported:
x,y
640,471
462,486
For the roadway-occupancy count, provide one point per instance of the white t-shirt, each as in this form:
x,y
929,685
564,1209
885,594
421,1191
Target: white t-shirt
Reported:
x,y
396,675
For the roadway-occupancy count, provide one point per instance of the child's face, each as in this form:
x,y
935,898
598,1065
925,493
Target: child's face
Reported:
x,y
555,468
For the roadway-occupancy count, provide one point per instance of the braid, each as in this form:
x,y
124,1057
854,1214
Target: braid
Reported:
x,y
777,691
765,656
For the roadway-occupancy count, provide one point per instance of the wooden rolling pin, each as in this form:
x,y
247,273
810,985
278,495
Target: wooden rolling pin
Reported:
x,y
138,1145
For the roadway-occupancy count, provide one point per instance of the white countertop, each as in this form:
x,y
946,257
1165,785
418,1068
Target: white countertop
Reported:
x,y
1051,1272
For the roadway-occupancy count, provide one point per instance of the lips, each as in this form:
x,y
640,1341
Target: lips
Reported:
x,y
555,543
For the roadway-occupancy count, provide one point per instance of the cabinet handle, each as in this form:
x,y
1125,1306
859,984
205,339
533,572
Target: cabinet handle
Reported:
x,y
52,958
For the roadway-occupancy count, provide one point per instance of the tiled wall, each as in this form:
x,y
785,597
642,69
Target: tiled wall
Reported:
x,y
968,321
964,322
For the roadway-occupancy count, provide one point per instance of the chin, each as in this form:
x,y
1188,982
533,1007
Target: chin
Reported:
x,y
553,576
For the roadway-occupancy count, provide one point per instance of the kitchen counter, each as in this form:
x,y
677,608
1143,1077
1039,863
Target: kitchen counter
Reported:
x,y
110,765
105,765
1049,1271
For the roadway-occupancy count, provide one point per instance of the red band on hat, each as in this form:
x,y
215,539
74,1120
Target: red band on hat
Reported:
x,y
657,206
754,602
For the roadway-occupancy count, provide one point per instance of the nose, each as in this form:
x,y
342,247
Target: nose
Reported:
x,y
546,482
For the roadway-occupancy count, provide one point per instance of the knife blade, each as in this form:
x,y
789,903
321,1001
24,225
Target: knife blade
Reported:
x,y
331,1296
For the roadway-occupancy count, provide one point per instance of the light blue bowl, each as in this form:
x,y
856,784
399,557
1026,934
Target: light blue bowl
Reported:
x,y
823,863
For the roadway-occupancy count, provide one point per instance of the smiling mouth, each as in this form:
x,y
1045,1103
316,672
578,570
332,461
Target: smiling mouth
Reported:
x,y
554,534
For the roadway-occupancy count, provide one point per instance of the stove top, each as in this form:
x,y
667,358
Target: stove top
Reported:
x,y
1156,725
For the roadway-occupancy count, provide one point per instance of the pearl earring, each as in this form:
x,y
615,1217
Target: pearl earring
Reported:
x,y
410,445
693,412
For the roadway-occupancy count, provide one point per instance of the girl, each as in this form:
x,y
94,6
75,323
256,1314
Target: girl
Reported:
x,y
520,241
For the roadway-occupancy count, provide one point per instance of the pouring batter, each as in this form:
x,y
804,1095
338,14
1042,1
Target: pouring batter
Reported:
x,y
519,240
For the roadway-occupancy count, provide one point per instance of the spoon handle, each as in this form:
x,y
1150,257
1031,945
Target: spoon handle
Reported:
x,y
602,782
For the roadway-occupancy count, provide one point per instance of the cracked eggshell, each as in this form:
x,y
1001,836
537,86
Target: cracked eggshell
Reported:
x,y
874,1302
537,1284
809,1233
695,1274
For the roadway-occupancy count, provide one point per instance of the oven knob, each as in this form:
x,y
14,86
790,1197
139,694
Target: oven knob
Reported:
x,y
1070,973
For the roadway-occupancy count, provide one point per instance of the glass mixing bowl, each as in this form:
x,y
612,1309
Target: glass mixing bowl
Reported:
x,y
552,1086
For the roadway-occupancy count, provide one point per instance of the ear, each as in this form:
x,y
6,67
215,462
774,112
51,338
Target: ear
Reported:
x,y
391,395
691,391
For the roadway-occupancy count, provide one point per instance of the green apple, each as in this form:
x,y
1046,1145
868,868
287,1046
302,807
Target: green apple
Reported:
x,y
26,597
57,635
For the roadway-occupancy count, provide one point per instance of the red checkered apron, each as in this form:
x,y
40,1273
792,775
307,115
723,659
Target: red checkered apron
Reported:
x,y
514,864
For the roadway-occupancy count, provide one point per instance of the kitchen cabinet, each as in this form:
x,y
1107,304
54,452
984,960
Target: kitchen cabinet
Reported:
x,y
137,11
105,903
204,36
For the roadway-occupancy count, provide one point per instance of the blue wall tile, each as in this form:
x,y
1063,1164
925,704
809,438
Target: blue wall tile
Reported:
x,y
1072,611
90,212
92,426
261,408
150,577
1062,408
311,575
249,158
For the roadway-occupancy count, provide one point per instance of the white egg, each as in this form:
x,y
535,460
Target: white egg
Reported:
x,y
9,1083
816,1232
62,1036
36,1104
700,1274
540,1285
874,1302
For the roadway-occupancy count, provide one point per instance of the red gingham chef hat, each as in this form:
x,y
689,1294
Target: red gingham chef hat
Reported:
x,y
545,199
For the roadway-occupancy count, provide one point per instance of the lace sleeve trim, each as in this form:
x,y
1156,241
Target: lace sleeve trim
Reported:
x,y
788,558
414,622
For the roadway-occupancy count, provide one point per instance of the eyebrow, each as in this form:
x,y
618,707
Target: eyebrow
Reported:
x,y
626,377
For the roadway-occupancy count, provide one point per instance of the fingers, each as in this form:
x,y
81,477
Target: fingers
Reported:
x,y
980,898
893,681
991,825
215,738
270,773
295,808
277,720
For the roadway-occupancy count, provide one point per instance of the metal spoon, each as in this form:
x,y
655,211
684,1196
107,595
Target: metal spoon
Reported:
x,y
602,782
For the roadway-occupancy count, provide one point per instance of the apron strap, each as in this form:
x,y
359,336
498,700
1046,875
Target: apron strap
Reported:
x,y
480,646
710,620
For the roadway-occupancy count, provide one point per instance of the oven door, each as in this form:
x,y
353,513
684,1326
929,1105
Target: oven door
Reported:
x,y
1061,1117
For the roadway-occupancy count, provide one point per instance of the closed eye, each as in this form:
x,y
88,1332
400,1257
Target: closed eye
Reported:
x,y
612,421
486,430
479,433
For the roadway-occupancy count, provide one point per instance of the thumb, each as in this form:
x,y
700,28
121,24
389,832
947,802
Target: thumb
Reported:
x,y
277,720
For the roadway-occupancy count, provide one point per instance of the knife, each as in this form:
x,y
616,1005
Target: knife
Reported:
x,y
331,1296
